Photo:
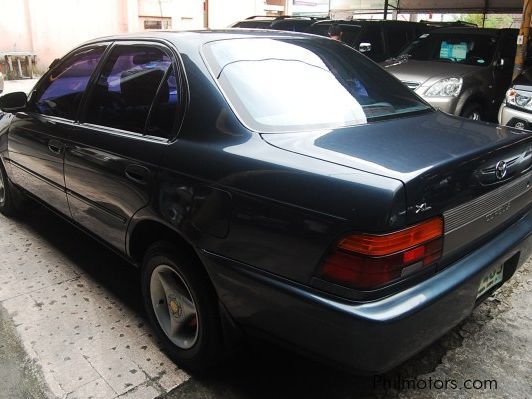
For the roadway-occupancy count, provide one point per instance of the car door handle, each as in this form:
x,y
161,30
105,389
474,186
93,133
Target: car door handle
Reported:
x,y
56,146
137,173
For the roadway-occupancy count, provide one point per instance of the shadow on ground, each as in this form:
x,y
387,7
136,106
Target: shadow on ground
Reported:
x,y
258,369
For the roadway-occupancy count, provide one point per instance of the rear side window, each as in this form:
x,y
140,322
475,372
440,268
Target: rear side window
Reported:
x,y
349,32
61,94
398,37
136,91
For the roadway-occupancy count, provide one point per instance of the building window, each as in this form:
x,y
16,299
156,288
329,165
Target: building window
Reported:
x,y
157,23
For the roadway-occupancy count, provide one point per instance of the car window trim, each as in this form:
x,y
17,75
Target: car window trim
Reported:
x,y
179,71
124,133
64,60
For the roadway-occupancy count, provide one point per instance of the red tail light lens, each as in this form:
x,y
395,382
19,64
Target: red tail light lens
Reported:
x,y
367,261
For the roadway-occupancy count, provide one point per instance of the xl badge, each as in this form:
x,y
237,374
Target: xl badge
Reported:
x,y
423,207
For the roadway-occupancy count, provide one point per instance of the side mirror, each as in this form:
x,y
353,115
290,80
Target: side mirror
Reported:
x,y
13,102
364,47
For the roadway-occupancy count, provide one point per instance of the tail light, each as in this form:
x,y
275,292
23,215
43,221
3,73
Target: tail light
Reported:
x,y
367,261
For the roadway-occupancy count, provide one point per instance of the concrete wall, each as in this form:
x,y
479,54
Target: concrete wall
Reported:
x,y
57,27
185,14
50,28
15,34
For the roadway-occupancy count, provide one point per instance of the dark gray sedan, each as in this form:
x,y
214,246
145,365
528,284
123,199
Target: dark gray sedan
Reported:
x,y
275,184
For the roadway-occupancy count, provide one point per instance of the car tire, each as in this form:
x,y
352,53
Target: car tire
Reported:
x,y
9,196
473,111
182,306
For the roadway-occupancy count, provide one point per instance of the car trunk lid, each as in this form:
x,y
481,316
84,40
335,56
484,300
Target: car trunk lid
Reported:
x,y
444,162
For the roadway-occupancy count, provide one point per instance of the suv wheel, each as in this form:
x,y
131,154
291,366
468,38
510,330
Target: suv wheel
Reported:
x,y
473,111
182,306
8,195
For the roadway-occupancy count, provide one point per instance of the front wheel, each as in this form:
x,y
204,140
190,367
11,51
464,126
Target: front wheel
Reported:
x,y
182,306
473,111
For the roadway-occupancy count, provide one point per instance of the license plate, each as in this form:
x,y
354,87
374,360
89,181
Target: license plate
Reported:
x,y
491,279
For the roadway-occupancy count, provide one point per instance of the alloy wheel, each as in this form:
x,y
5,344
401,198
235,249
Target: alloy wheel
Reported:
x,y
174,306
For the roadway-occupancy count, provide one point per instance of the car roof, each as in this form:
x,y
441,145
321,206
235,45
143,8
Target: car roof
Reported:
x,y
471,30
202,36
361,22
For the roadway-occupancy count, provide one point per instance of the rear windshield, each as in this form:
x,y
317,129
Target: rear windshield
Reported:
x,y
252,24
279,85
471,49
349,32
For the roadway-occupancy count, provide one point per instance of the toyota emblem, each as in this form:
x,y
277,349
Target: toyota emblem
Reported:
x,y
500,170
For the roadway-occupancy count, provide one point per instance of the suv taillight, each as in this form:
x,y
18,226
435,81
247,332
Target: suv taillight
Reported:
x,y
368,261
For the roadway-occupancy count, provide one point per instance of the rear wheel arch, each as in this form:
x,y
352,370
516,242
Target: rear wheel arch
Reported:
x,y
147,232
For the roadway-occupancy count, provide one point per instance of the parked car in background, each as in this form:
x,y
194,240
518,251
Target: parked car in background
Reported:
x,y
1,82
255,22
377,39
516,109
344,217
288,23
462,71
296,24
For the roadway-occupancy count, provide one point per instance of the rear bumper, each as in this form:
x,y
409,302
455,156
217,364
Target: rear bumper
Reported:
x,y
370,337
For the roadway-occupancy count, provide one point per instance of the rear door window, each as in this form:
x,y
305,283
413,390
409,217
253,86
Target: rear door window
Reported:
x,y
136,83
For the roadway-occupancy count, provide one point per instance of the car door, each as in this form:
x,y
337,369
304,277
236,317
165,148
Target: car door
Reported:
x,y
127,119
397,37
37,136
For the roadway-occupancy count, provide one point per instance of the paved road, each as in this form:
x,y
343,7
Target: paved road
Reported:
x,y
77,312
73,315
20,377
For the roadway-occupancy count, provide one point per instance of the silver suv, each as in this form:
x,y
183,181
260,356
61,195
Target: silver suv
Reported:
x,y
461,71
516,109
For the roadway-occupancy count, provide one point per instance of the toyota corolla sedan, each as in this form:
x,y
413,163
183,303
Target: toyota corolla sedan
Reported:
x,y
277,184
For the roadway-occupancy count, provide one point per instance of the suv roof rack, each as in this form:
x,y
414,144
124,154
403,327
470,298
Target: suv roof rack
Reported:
x,y
451,23
281,17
